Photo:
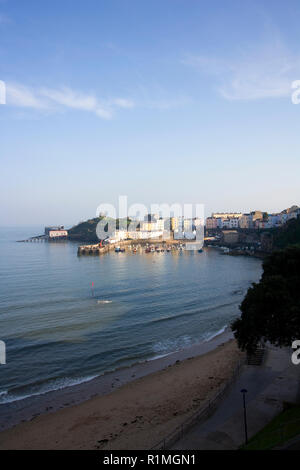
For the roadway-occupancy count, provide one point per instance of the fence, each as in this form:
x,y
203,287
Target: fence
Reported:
x,y
200,415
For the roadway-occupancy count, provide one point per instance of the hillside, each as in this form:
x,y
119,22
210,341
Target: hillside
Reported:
x,y
288,234
86,231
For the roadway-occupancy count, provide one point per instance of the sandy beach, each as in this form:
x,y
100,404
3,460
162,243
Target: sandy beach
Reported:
x,y
137,413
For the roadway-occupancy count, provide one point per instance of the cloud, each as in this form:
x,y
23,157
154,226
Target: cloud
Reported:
x,y
51,100
76,100
266,72
123,103
19,95
55,100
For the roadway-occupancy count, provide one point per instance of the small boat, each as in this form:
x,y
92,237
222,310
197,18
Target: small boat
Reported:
x,y
119,250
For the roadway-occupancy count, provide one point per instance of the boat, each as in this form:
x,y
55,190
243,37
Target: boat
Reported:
x,y
119,249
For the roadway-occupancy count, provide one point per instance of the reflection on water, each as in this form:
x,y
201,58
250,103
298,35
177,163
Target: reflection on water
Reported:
x,y
151,304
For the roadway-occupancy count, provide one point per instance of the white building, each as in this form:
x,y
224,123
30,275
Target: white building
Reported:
x,y
153,225
144,234
274,220
57,233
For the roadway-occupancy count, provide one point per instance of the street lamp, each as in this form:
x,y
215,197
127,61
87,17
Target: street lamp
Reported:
x,y
244,391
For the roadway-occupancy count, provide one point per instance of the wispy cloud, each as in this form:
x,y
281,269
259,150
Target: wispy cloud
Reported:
x,y
266,72
63,98
122,103
51,100
21,96
76,100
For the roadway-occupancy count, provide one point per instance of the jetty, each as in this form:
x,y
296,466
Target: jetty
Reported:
x,y
97,249
37,238
55,233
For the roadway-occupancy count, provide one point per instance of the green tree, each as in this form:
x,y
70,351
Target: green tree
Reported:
x,y
271,308
288,234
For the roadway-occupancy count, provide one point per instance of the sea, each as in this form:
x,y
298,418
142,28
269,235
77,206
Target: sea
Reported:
x,y
67,319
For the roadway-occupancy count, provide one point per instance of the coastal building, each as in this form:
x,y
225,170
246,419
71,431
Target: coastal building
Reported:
x,y
148,226
213,223
56,232
174,223
160,224
144,235
197,222
257,215
274,220
226,215
187,225
223,220
153,225
246,221
230,223
118,236
263,224
254,220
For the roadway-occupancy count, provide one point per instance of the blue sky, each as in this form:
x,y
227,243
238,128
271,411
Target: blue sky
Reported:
x,y
164,101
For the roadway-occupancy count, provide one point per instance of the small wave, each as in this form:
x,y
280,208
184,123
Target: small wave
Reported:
x,y
237,292
59,384
169,346
190,313
217,333
104,301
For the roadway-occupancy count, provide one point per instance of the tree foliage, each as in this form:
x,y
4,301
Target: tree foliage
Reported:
x,y
288,234
86,231
271,308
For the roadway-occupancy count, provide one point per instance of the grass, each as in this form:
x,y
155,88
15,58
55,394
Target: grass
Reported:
x,y
282,428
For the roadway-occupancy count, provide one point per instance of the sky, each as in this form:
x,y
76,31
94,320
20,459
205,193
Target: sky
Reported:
x,y
164,101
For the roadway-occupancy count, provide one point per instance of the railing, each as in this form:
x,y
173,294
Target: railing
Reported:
x,y
200,415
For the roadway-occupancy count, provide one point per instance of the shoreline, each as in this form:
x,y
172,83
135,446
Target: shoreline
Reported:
x,y
139,412
23,410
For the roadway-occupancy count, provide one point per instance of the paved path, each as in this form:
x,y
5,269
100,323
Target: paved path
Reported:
x,y
268,385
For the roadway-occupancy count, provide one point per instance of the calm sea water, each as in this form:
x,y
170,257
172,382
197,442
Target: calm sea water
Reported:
x,y
57,334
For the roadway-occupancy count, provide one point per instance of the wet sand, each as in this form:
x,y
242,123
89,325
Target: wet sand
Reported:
x,y
132,408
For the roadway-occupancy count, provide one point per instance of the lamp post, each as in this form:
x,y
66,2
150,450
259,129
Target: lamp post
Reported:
x,y
244,391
